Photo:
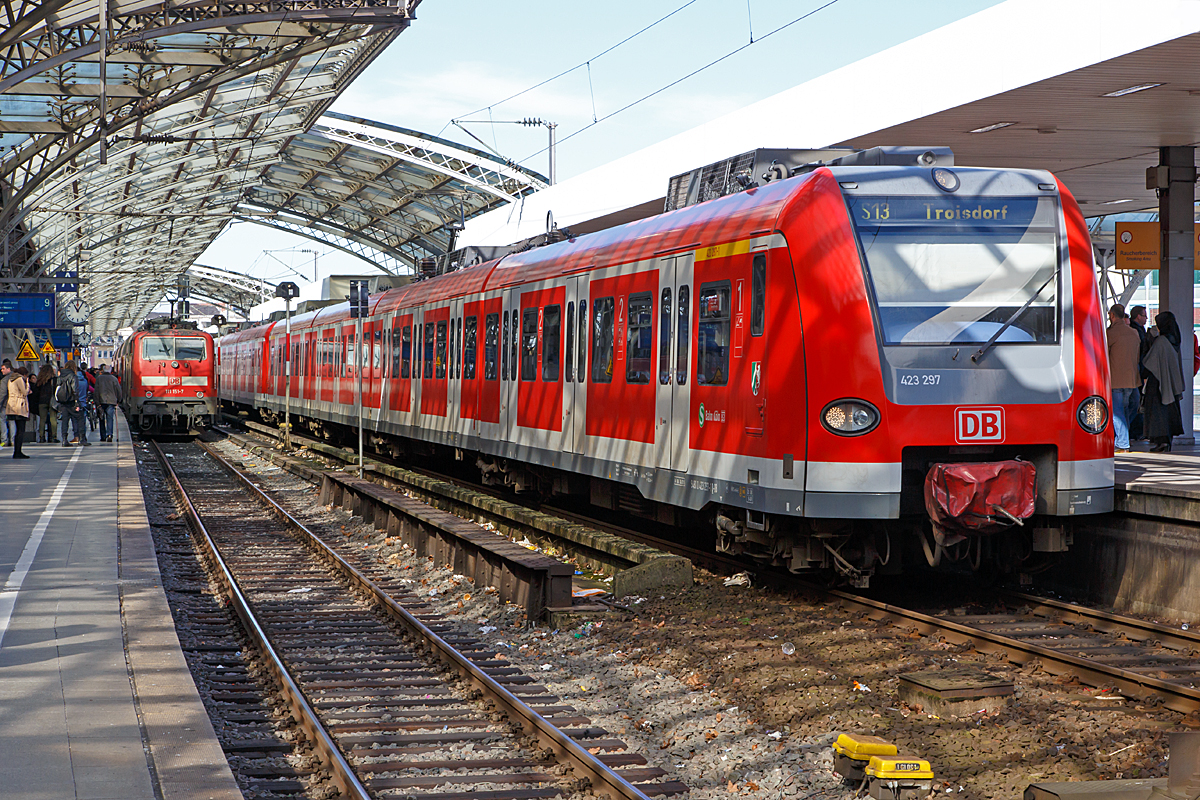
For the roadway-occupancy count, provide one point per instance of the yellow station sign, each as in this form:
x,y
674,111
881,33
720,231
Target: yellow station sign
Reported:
x,y
27,352
1137,245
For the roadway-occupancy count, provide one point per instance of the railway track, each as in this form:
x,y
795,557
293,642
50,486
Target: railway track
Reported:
x,y
1137,658
392,697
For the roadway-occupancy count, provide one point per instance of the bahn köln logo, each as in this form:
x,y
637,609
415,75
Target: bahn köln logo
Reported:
x,y
702,415
978,425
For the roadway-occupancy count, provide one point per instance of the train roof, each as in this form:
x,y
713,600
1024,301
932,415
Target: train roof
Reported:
x,y
751,212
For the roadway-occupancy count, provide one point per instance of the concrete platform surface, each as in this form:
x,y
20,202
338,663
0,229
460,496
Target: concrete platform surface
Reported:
x,y
96,700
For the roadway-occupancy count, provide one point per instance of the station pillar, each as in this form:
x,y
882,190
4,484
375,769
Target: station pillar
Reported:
x,y
1176,182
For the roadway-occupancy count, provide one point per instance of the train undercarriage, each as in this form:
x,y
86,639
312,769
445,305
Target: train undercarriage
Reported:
x,y
854,550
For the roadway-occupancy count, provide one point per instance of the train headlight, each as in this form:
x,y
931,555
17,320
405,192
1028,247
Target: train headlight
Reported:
x,y
1093,415
149,393
199,394
849,417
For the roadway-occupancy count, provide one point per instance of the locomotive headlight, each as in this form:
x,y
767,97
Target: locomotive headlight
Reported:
x,y
199,394
149,393
1093,415
849,417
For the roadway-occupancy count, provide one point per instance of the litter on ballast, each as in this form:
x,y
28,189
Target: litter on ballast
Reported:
x,y
861,687
741,579
588,593
300,591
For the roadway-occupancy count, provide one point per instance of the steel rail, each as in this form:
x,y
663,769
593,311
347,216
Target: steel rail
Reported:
x,y
603,779
1137,629
1175,697
305,715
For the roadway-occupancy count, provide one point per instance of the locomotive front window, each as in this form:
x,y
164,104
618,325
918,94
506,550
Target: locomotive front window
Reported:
x,y
953,270
173,348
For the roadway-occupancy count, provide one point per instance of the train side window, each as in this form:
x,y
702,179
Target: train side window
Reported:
x,y
683,337
551,342
453,349
712,349
758,294
529,322
461,347
504,351
470,347
513,345
583,316
377,349
602,340
569,373
427,351
441,350
664,339
396,348
639,338
405,350
491,346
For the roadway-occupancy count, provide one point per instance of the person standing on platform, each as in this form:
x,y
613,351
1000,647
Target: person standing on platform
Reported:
x,y
66,395
42,398
79,412
6,374
108,394
17,407
1137,320
1123,346
1165,384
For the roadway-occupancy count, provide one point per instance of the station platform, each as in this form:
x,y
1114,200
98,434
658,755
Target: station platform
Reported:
x,y
96,700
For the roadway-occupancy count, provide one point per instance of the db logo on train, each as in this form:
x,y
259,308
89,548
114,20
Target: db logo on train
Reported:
x,y
978,425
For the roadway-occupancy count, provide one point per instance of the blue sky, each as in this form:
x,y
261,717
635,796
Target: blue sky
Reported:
x,y
465,56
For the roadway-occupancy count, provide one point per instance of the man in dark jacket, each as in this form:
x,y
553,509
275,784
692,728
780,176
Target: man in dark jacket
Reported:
x,y
108,394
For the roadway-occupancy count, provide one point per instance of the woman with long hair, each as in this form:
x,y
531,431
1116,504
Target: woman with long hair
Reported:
x,y
1165,385
18,407
43,396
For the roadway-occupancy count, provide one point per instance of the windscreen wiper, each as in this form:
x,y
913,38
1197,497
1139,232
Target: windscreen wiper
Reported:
x,y
1008,324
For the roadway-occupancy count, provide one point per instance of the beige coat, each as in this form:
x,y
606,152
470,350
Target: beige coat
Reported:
x,y
1123,346
18,397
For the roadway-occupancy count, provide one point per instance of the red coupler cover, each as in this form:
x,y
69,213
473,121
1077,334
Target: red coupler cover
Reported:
x,y
964,497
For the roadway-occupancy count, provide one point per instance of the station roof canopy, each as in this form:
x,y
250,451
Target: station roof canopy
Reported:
x,y
1087,90
123,159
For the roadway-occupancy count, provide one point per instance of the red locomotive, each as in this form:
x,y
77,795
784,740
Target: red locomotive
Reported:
x,y
167,380
816,365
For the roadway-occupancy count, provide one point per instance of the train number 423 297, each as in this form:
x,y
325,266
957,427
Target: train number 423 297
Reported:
x,y
922,379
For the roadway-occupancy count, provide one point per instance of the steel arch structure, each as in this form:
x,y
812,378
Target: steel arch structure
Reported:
x,y
130,130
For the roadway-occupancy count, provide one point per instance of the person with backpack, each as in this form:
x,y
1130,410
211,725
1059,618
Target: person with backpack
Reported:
x,y
70,412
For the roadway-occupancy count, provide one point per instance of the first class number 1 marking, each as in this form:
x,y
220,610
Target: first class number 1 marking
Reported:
x,y
921,379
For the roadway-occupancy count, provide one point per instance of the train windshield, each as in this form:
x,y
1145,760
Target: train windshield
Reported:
x,y
173,348
954,270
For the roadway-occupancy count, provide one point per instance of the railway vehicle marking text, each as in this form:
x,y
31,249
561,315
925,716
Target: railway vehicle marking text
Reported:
x,y
978,425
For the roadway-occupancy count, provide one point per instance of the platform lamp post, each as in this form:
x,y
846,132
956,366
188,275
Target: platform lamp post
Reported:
x,y
288,291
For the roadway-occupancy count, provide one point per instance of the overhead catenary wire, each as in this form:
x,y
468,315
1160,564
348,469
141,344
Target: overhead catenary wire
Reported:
x,y
580,65
691,74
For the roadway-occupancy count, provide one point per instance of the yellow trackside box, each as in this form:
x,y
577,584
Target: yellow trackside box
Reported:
x,y
896,777
852,752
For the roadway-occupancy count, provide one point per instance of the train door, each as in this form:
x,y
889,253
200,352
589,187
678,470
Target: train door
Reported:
x,y
674,333
750,342
509,334
575,369
454,382
372,362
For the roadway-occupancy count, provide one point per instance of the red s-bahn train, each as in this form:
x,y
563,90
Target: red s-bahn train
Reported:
x,y
167,377
801,364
